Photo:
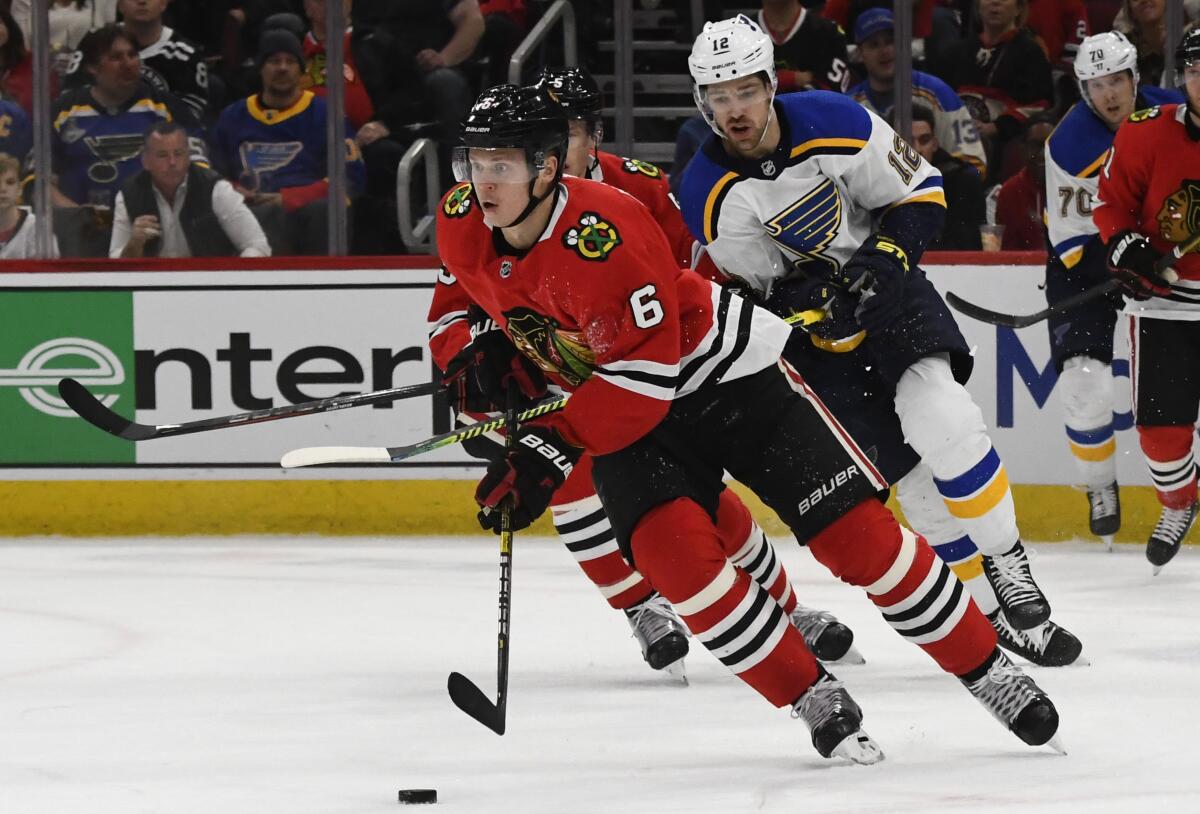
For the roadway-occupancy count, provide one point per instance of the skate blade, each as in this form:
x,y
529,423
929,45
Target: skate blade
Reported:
x,y
1056,744
858,748
678,671
852,656
1155,569
1108,542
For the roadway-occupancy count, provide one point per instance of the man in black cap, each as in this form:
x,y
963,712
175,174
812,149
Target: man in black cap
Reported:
x,y
272,146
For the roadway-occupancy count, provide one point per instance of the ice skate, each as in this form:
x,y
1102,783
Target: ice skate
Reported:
x,y
1046,645
1021,599
661,635
835,722
827,638
1015,701
1104,518
1173,526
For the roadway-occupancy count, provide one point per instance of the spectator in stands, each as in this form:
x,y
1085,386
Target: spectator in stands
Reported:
x,y
16,221
966,202
504,27
16,132
96,137
69,21
810,51
273,146
175,208
1145,23
16,64
955,130
846,12
1022,197
691,135
440,35
1061,25
101,12
376,230
1001,73
169,63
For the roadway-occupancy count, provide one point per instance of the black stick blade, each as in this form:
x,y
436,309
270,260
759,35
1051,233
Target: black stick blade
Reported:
x,y
91,410
471,700
982,314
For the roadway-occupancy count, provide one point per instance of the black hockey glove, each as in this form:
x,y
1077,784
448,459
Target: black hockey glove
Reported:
x,y
790,297
477,378
876,273
527,477
1131,260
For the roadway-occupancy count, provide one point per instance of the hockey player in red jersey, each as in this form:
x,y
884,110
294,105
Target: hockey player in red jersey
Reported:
x,y
576,509
579,96
674,381
1150,201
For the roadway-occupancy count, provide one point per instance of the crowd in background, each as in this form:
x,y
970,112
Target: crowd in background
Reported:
x,y
244,81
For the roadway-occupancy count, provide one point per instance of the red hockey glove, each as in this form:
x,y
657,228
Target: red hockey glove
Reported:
x,y
528,477
1131,260
477,378
876,273
790,297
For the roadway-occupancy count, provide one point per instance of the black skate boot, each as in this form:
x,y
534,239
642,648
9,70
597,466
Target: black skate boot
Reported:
x,y
1046,645
1173,526
1015,701
661,634
835,722
1020,598
827,638
1104,516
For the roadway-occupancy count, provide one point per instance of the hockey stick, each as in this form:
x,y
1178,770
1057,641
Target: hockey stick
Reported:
x,y
465,694
1162,267
91,410
316,456
313,456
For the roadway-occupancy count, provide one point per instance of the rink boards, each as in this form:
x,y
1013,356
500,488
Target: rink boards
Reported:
x,y
199,342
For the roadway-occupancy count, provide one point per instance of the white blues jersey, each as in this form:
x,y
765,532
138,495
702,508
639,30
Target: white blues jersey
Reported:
x,y
807,207
1075,153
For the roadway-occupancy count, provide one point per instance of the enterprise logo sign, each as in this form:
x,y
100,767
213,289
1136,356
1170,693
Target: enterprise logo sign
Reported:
x,y
36,378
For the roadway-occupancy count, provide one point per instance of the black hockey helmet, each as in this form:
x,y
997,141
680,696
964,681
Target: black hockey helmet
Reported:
x,y
1188,50
527,118
576,91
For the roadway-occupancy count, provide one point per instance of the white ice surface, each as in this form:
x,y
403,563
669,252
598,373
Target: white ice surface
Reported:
x,y
258,675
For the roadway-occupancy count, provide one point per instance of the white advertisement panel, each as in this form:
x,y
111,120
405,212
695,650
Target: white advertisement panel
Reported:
x,y
182,346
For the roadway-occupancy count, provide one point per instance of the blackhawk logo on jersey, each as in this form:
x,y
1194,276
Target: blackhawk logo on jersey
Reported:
x,y
593,238
563,353
1179,217
1144,115
633,166
458,202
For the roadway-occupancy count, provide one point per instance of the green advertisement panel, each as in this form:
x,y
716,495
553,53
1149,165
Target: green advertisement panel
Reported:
x,y
45,336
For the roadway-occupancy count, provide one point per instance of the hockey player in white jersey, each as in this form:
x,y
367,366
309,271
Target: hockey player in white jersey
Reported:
x,y
811,201
1081,339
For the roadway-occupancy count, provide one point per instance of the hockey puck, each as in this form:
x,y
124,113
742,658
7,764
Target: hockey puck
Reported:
x,y
418,796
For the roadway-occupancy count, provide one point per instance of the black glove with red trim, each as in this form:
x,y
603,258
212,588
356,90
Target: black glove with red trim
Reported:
x,y
477,378
876,273
1131,260
527,477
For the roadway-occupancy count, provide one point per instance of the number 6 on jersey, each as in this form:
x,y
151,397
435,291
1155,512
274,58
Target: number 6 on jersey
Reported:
x,y
647,311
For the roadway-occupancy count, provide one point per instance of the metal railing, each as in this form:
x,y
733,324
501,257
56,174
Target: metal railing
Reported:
x,y
561,10
623,75
418,234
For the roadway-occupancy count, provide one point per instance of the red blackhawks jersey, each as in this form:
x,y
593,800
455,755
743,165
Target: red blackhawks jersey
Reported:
x,y
1151,184
599,304
649,185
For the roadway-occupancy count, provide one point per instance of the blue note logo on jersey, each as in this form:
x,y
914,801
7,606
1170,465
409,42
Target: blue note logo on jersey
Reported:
x,y
807,227
262,157
111,150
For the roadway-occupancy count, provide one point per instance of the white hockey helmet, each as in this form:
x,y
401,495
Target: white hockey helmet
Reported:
x,y
729,49
1104,54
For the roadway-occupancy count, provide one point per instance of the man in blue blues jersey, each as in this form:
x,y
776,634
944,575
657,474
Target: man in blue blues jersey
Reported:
x,y
97,136
874,32
813,202
1081,340
272,147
